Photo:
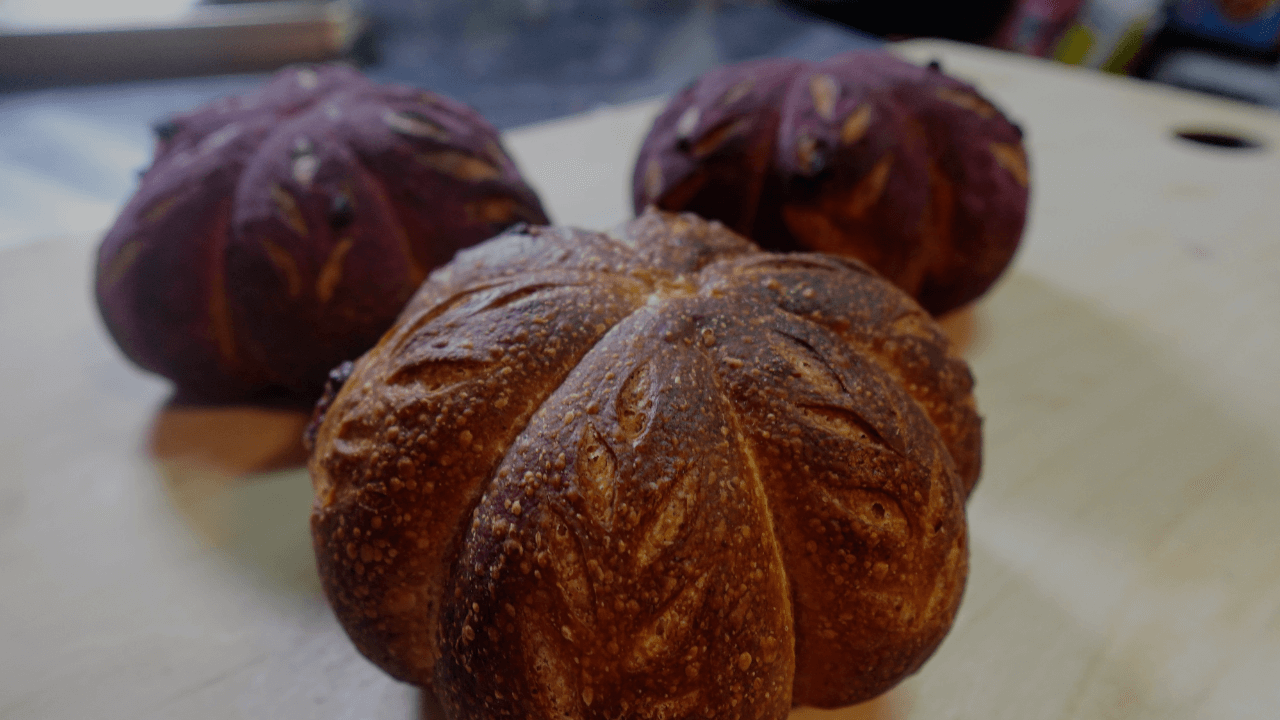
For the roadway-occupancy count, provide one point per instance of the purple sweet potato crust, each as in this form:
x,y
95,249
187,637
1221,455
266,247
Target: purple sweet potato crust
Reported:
x,y
865,155
710,147
279,233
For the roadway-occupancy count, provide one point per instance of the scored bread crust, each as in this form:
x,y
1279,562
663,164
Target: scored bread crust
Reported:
x,y
648,475
280,232
864,154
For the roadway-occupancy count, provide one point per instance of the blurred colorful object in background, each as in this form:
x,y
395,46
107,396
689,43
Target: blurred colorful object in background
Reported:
x,y
1108,34
1229,48
1103,34
1251,24
1035,26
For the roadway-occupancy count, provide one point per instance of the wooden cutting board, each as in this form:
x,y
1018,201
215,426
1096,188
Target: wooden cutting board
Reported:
x,y
155,561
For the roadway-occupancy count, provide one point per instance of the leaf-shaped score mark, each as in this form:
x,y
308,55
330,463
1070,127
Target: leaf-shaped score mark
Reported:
x,y
423,347
287,204
501,211
415,124
285,266
479,299
867,192
564,555
719,136
968,100
676,707
774,269
737,92
552,671
915,324
676,507
855,126
461,165
1013,158
653,180
433,375
661,637
331,272
597,476
846,423
811,368
874,510
456,303
635,402
512,296
825,92
688,122
808,365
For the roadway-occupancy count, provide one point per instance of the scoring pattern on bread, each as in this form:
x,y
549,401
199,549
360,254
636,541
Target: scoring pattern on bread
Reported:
x,y
648,474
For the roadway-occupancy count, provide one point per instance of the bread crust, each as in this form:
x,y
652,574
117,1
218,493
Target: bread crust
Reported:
x,y
648,475
279,233
864,154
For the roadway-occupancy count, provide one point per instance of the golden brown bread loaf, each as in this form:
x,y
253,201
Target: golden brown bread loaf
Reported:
x,y
658,475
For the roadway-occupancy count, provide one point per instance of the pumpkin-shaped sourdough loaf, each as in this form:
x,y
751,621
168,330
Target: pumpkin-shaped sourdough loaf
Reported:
x,y
865,155
659,474
279,233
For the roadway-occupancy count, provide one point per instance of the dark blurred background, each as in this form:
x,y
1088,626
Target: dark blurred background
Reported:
x,y
517,61
524,59
81,82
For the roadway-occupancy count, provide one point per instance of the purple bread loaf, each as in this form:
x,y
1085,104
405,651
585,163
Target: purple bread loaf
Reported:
x,y
279,233
864,155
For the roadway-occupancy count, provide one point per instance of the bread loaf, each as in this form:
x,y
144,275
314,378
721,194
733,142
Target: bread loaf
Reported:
x,y
280,232
903,167
653,474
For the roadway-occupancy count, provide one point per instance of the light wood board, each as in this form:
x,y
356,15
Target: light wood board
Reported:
x,y
155,561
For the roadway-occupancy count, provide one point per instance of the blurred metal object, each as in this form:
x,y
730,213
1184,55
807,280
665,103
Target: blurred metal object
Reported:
x,y
207,39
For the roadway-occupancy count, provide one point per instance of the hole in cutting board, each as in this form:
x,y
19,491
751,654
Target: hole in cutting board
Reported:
x,y
1217,138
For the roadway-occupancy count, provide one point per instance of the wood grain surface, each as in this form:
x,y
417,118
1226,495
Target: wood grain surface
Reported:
x,y
155,561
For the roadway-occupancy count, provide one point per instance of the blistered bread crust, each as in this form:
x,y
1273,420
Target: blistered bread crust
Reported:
x,y
658,474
